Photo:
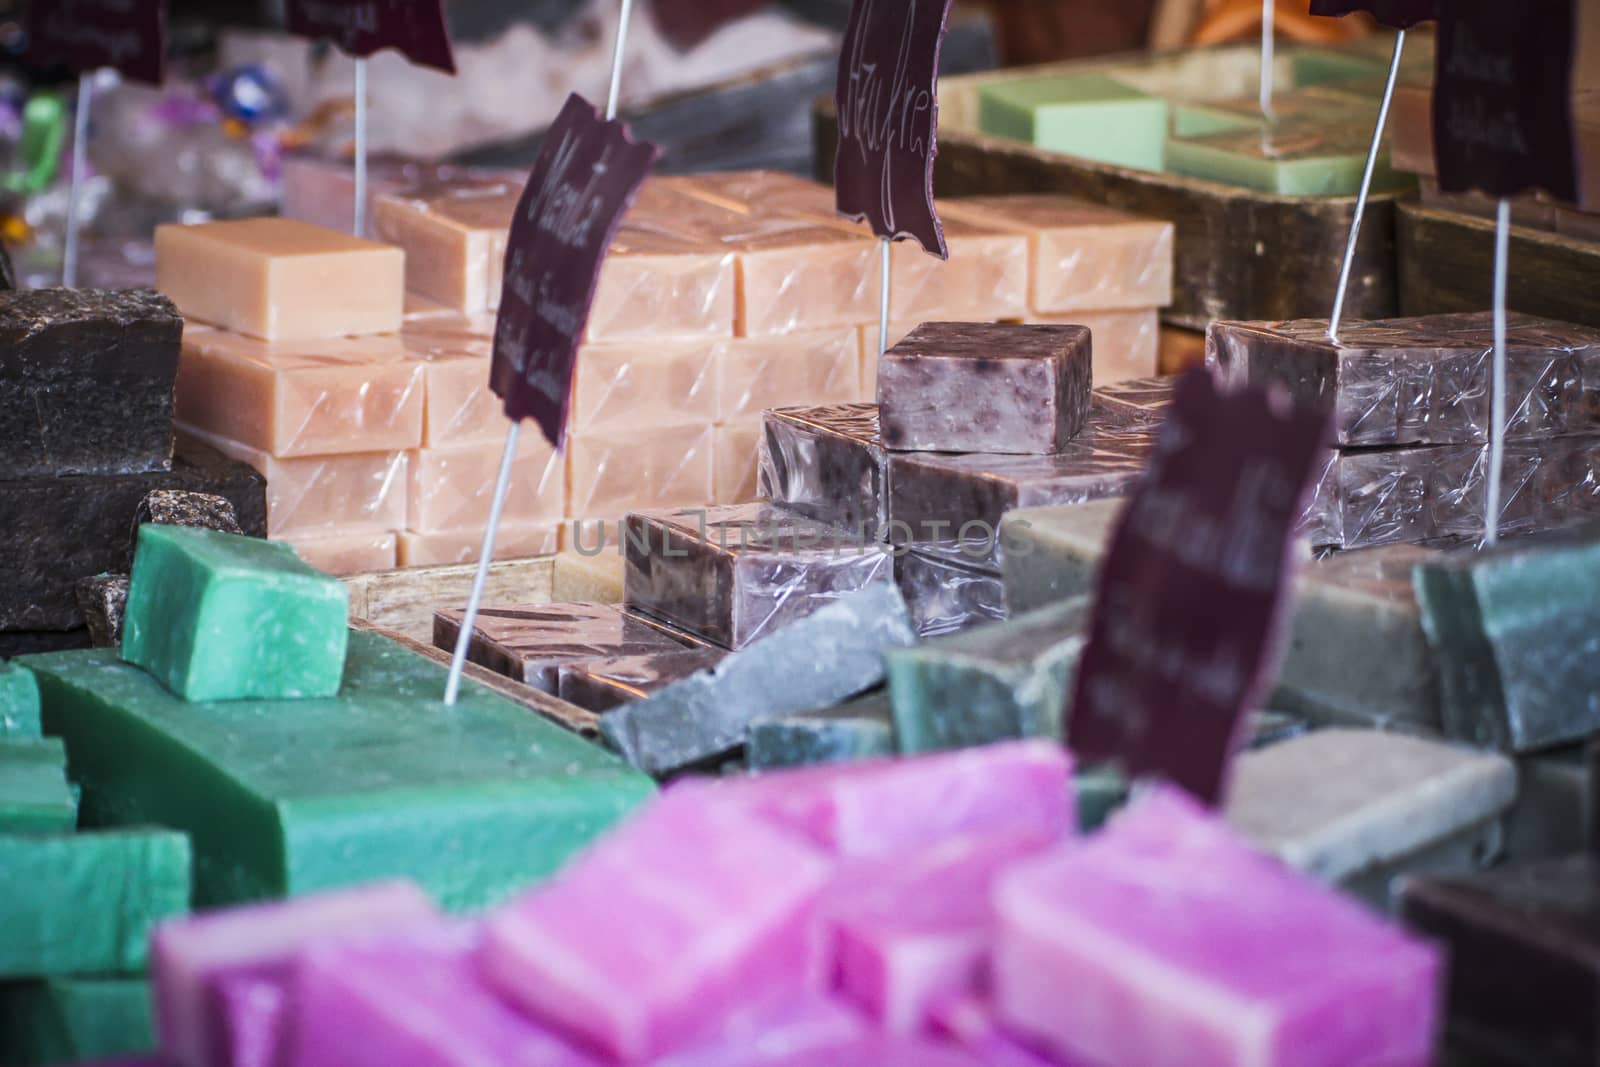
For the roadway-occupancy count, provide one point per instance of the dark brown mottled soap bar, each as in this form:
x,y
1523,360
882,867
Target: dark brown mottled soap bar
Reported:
x,y
984,387
828,463
603,684
178,507
86,381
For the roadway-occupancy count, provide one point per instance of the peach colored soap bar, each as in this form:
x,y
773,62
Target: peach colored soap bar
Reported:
x,y
512,540
985,278
653,285
1126,343
454,234
302,398
614,472
814,367
344,552
452,485
281,280
458,405
1085,257
638,383
737,449
770,192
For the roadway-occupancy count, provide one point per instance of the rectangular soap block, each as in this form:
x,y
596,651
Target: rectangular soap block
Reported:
x,y
603,684
504,794
656,285
737,478
985,278
512,540
977,387
74,1020
86,381
1422,380
346,552
736,574
828,463
1355,102
85,903
1092,116
19,701
1126,345
458,405
945,594
1081,256
1306,157
636,384
302,398
1010,679
454,236
281,280
620,470
451,487
593,577
813,367
35,797
858,729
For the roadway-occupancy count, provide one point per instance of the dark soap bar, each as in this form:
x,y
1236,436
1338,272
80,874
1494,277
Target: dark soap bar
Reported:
x,y
603,684
1524,949
178,507
56,530
8,272
1422,380
858,729
945,594
103,599
984,387
828,463
14,643
1594,795
737,573
86,381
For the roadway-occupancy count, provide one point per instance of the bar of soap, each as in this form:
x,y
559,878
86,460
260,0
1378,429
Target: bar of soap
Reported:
x,y
281,280
343,553
35,797
985,278
1006,680
1343,805
1327,105
19,701
833,653
191,957
458,405
1524,949
977,387
756,373
945,595
1092,116
643,383
180,507
1053,553
530,643
603,684
705,907
451,487
968,1020
1291,158
737,478
1422,380
302,398
1510,626
512,540
616,471
735,574
454,236
858,729
85,903
74,1020
1082,256
828,463
504,795
86,381
1179,928
220,617
656,285
1126,344
591,577
102,601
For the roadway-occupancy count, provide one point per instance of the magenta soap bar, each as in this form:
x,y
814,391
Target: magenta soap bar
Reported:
x,y
249,1010
967,1019
1165,941
647,940
772,1033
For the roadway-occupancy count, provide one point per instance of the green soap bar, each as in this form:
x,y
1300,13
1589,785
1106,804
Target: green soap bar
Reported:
x,y
35,796
1092,116
75,903
218,616
73,1020
857,729
1006,680
1324,105
284,797
19,701
1317,66
1290,158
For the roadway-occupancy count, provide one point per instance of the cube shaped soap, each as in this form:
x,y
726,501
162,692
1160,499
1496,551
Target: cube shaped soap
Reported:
x,y
946,595
828,463
857,729
19,701
984,387
214,616
1093,116
603,684
75,1020
34,794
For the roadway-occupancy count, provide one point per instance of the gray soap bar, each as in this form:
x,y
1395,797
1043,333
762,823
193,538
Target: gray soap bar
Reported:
x,y
828,463
1552,816
1052,554
603,684
857,729
945,594
819,660
102,599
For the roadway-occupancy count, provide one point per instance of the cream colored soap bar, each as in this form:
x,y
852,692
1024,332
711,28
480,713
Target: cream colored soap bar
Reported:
x,y
345,552
613,472
985,278
738,450
302,398
788,370
588,577
635,383
458,405
656,286
452,486
512,540
281,280
454,234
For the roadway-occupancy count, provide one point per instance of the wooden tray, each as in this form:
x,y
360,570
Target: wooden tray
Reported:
x,y
1240,254
404,600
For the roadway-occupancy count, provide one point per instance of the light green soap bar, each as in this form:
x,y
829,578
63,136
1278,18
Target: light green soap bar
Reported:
x,y
19,701
1291,158
1318,66
1088,115
74,1020
283,797
218,616
1327,105
85,903
35,797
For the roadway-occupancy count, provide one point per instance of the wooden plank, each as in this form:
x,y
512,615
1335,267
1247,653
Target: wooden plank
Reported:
x,y
405,600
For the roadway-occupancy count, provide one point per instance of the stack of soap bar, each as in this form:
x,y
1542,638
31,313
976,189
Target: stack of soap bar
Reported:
x,y
189,590
1006,680
971,387
74,1020
857,729
504,794
451,487
985,278
1356,807
1291,157
738,573
1179,928
1127,344
1510,626
945,593
178,507
1093,116
454,235
1350,104
613,471
603,684
644,383
19,701
34,794
457,402
656,284
102,600
591,577
828,463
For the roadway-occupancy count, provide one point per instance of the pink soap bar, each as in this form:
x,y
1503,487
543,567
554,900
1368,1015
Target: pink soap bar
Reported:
x,y
797,369
880,1050
647,940
190,955
762,1034
345,552
967,1019
1182,946
452,486
985,278
250,1009
655,286
457,404
1126,344
643,383
512,540
613,472
738,462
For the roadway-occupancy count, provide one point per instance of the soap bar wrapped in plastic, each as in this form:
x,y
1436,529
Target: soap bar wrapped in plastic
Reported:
x,y
829,463
454,232
452,486
946,593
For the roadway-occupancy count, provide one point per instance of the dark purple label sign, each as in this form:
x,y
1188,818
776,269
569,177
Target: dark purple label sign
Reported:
x,y
1397,14
687,23
1502,97
415,28
583,180
85,35
888,100
1190,609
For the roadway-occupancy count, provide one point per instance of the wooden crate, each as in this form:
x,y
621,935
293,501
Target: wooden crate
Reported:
x,y
404,600
1240,254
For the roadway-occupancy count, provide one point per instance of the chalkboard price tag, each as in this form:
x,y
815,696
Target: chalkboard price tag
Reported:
x,y
414,28
1502,98
87,35
1190,610
1396,14
586,175
888,101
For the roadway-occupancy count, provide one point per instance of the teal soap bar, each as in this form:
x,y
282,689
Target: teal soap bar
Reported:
x,y
219,616
862,728
1092,116
1099,792
35,797
1006,680
19,701
74,1020
283,797
1290,158
85,903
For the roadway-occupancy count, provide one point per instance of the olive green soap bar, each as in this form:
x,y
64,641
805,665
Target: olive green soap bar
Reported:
x,y
1092,116
73,1020
35,797
218,616
85,903
283,797
1290,158
19,701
